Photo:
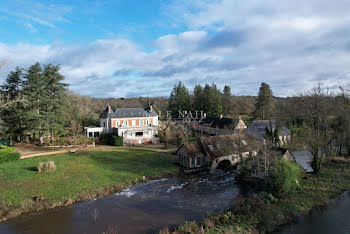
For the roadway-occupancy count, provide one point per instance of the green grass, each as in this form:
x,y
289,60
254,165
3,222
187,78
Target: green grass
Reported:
x,y
193,139
261,215
79,174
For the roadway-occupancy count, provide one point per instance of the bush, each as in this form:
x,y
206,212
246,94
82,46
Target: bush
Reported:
x,y
46,166
8,154
112,139
284,177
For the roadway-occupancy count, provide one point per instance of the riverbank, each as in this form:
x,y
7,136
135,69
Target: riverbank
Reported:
x,y
80,176
261,213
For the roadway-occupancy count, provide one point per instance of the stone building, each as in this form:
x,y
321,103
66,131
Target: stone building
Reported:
x,y
136,125
258,129
209,152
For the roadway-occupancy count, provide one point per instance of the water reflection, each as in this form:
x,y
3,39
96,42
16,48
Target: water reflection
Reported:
x,y
333,219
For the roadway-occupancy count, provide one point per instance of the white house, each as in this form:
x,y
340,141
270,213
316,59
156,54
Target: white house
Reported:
x,y
136,125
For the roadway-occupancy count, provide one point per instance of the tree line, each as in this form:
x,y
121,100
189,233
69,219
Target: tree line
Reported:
x,y
214,102
35,102
209,99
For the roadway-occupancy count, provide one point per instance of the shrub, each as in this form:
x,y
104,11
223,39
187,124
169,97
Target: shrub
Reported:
x,y
8,154
47,166
284,177
112,139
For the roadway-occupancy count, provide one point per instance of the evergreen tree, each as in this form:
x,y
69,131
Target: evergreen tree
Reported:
x,y
179,99
264,104
198,100
212,100
227,101
55,94
13,111
33,90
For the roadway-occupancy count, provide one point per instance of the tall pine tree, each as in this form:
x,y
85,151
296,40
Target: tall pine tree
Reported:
x,y
13,110
227,107
212,104
179,99
264,106
198,102
54,94
33,90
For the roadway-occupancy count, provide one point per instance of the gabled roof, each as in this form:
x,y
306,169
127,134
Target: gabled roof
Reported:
x,y
304,158
217,122
284,131
192,149
106,114
217,146
257,128
128,113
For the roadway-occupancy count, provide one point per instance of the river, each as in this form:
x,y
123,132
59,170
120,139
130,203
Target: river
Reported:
x,y
144,208
335,218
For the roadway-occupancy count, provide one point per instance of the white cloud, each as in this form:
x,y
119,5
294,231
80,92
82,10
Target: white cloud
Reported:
x,y
291,45
31,13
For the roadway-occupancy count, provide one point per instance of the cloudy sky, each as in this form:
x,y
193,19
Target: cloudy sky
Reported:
x,y
127,48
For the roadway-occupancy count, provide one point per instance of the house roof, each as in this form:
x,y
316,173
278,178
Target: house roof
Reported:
x,y
217,146
128,113
217,122
284,131
106,114
304,158
192,149
257,128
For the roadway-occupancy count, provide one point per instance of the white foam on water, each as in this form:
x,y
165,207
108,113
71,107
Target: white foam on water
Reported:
x,y
176,187
202,181
155,181
126,193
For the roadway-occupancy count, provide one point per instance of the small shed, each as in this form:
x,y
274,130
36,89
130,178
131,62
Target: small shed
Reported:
x,y
304,158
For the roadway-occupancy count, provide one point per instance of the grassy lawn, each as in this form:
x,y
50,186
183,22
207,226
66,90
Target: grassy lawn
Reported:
x,y
260,215
78,176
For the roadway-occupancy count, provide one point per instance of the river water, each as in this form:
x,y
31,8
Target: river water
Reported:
x,y
144,208
335,218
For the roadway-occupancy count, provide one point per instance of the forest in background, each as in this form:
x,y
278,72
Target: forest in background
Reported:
x,y
37,102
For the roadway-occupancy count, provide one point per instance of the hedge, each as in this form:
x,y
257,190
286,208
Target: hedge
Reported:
x,y
112,139
8,154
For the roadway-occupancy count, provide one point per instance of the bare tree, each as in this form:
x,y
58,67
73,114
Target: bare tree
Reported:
x,y
315,108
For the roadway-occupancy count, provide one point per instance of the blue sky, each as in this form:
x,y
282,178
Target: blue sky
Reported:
x,y
119,48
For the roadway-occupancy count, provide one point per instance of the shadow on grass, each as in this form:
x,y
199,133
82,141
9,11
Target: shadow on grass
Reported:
x,y
32,168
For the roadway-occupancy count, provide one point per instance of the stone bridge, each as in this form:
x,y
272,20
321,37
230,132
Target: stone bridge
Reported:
x,y
234,159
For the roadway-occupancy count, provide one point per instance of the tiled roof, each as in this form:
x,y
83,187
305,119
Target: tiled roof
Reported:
x,y
133,112
128,113
257,128
105,114
217,146
217,122
192,149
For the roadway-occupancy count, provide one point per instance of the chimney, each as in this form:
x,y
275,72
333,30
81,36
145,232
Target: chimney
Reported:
x,y
109,109
150,108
